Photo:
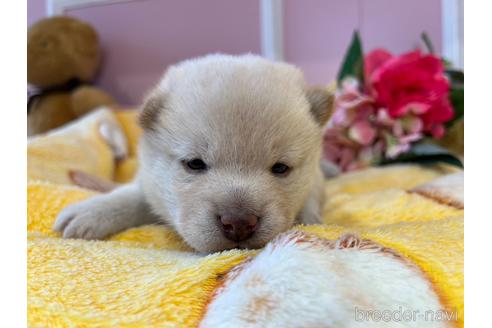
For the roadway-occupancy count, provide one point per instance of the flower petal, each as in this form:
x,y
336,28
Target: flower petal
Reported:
x,y
374,60
383,118
347,157
410,138
397,128
438,131
362,132
412,124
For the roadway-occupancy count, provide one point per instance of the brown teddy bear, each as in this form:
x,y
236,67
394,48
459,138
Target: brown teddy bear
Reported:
x,y
63,57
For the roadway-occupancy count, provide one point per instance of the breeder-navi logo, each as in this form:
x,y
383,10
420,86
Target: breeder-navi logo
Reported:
x,y
401,315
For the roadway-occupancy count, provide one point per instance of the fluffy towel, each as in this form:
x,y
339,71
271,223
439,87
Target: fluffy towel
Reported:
x,y
147,276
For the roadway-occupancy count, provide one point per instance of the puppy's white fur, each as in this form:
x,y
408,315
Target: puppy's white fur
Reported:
x,y
240,115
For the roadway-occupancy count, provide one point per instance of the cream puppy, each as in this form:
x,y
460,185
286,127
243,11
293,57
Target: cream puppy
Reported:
x,y
230,157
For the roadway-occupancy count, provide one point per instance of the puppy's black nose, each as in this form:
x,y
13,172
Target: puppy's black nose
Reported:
x,y
238,227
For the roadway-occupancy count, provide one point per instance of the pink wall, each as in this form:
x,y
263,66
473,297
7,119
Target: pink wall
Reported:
x,y
317,32
397,24
141,38
36,9
316,35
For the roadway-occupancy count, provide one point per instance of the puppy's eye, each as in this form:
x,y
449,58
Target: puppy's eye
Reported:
x,y
195,164
280,169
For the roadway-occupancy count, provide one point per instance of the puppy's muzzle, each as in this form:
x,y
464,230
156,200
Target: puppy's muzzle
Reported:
x,y
238,226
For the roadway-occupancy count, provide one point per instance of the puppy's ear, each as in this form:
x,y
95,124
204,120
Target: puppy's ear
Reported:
x,y
152,107
321,101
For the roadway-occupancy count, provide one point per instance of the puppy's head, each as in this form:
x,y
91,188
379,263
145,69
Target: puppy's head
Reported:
x,y
231,149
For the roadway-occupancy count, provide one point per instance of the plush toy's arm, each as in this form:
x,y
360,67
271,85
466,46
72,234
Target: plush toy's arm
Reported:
x,y
87,98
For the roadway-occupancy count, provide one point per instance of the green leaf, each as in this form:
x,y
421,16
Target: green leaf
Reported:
x,y
428,43
353,63
456,77
447,64
456,94
458,100
426,153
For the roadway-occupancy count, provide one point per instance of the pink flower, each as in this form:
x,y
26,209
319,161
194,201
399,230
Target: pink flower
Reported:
x,y
438,131
362,132
405,98
351,105
374,60
412,124
394,146
410,84
350,134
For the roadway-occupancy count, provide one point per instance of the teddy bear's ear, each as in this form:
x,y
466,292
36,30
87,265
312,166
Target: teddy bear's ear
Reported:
x,y
321,101
151,109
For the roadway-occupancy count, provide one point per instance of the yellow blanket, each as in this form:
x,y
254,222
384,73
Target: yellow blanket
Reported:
x,y
147,276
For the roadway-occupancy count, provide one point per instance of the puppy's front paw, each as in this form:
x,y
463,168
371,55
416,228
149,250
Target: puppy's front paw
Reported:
x,y
89,219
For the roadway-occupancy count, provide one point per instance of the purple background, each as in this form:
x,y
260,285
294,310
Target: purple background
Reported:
x,y
141,38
